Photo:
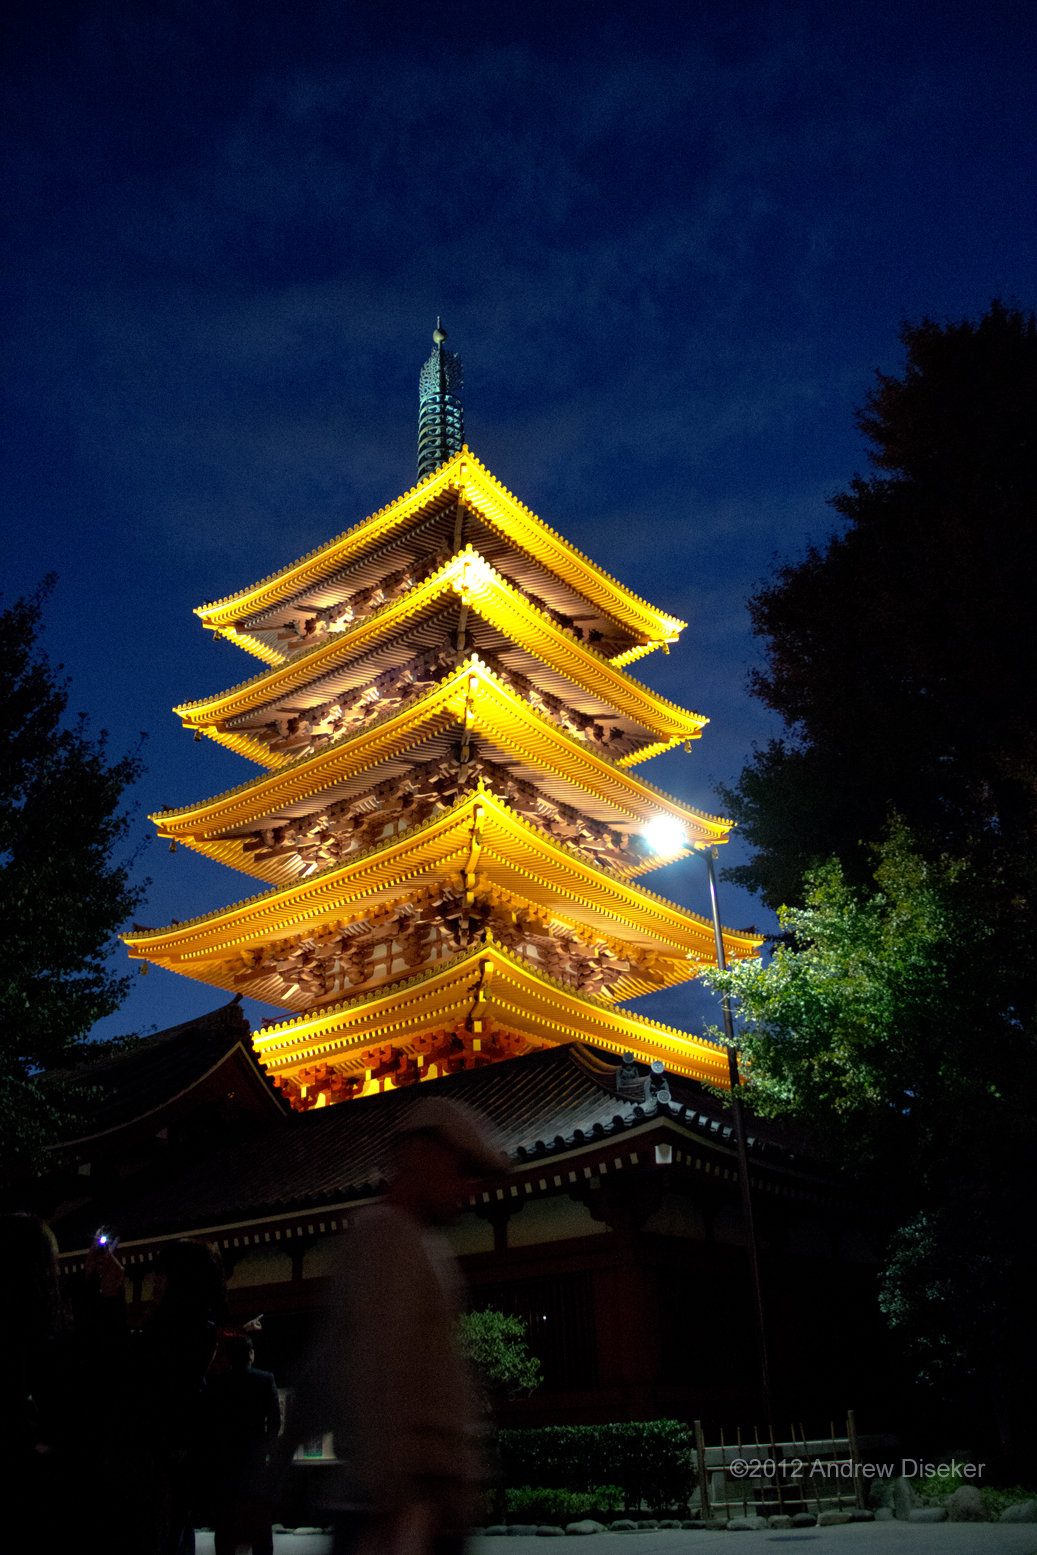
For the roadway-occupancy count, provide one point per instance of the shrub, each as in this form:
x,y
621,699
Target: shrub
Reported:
x,y
496,1347
995,1501
651,1461
935,1486
541,1504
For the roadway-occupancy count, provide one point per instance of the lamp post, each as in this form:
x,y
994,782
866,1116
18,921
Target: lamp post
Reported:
x,y
738,1120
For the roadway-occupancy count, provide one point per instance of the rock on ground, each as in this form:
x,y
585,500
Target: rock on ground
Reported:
x,y
1022,1512
965,1505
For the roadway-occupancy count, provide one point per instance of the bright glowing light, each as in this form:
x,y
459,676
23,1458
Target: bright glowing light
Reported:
x,y
665,835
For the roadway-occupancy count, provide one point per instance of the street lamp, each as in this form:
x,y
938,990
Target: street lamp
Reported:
x,y
738,1119
667,837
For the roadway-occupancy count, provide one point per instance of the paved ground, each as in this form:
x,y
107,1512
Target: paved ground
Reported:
x,y
850,1539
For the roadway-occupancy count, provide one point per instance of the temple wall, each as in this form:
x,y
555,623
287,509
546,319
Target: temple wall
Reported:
x,y
551,1220
260,1266
678,1216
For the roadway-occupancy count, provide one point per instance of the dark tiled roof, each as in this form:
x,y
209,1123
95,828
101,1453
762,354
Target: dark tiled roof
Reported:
x,y
131,1084
542,1103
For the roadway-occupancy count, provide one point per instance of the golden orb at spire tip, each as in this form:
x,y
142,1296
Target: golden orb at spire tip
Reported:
x,y
439,333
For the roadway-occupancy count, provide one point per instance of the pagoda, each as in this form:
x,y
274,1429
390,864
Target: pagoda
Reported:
x,y
448,825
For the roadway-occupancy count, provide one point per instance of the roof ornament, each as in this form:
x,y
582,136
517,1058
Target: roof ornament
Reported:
x,y
440,413
630,1082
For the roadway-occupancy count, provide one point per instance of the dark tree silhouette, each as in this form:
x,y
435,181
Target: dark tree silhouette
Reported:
x,y
902,656
61,894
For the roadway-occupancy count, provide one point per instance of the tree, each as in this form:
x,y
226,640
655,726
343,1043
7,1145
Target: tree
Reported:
x,y
902,655
958,1291
496,1348
61,894
896,1018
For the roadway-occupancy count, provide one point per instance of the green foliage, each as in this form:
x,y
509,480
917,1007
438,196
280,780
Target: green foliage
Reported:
x,y
958,1290
896,1021
901,654
61,895
996,1501
933,1487
495,1345
540,1504
651,1461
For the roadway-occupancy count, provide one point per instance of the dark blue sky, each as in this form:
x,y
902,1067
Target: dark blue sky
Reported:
x,y
671,242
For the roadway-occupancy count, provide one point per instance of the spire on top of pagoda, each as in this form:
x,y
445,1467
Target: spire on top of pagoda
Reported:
x,y
440,413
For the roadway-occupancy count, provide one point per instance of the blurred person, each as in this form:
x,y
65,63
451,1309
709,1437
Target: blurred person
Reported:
x,y
387,1377
242,1424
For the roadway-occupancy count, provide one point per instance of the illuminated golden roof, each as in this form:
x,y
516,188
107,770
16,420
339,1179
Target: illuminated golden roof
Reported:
x,y
489,596
490,805
471,482
471,695
479,838
498,988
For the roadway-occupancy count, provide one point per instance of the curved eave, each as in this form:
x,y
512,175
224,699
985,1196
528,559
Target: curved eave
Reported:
x,y
470,479
512,853
501,987
483,590
496,712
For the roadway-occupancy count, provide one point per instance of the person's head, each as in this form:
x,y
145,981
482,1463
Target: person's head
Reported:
x,y
190,1275
30,1293
240,1353
441,1148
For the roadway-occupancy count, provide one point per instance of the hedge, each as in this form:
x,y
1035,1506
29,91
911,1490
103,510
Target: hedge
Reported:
x,y
652,1461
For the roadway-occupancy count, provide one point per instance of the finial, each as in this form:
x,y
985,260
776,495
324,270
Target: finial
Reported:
x,y
440,415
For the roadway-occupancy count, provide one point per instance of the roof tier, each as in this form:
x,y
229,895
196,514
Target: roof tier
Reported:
x,y
483,1005
470,713
449,736
415,899
559,1108
345,678
461,501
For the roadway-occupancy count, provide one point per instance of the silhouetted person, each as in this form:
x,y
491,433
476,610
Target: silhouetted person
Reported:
x,y
243,1419
387,1377
33,1323
57,1405
160,1401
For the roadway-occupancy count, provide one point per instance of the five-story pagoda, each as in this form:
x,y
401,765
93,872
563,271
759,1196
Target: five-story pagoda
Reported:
x,y
449,821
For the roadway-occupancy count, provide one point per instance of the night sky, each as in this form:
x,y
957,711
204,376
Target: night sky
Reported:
x,y
672,243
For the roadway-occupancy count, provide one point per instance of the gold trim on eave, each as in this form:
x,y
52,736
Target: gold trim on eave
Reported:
x,y
470,479
498,713
516,996
514,854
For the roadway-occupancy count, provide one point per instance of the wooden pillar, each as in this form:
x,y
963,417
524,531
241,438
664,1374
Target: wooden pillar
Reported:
x,y
626,1301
